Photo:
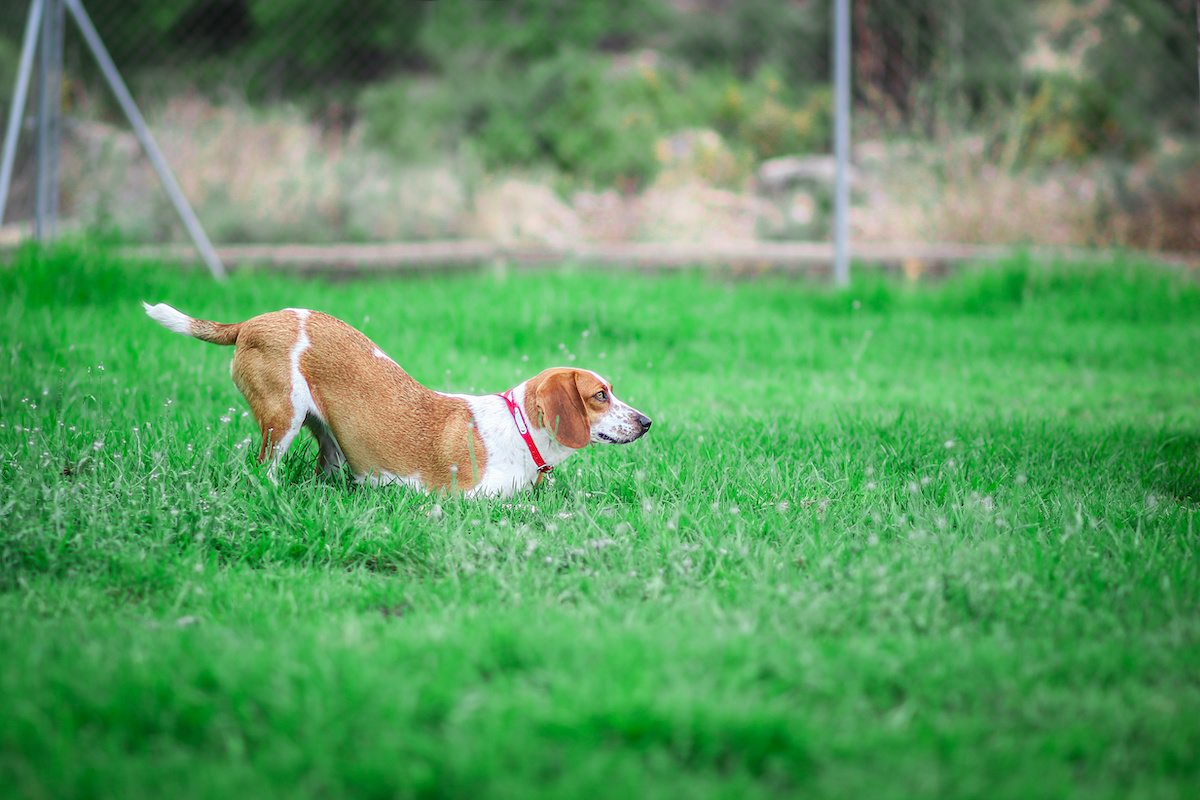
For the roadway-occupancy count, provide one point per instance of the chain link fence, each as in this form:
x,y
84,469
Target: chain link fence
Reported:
x,y
1066,122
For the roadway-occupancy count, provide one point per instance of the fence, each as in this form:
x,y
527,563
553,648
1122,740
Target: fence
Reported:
x,y
701,122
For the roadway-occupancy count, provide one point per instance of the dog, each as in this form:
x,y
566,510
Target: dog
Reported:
x,y
301,368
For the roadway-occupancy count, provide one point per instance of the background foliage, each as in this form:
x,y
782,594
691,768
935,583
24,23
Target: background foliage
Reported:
x,y
913,60
1098,96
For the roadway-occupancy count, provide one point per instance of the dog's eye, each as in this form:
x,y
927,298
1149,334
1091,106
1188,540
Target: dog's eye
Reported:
x,y
601,395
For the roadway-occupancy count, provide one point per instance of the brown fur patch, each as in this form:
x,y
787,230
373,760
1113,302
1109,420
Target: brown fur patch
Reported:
x,y
383,419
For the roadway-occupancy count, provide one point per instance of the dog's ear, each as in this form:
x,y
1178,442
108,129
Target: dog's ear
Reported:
x,y
561,410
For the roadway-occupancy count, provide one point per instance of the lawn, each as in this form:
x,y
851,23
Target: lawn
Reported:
x,y
899,541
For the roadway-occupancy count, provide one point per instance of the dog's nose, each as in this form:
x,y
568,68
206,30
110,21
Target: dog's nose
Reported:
x,y
644,421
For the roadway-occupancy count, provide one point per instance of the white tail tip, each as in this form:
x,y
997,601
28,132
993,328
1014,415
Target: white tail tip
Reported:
x,y
169,318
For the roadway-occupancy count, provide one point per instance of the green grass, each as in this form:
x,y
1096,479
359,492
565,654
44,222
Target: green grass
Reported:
x,y
893,542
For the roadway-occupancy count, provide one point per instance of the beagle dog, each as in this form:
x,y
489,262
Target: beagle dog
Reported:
x,y
300,368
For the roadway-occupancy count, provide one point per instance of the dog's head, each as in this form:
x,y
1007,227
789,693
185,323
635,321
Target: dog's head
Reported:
x,y
577,406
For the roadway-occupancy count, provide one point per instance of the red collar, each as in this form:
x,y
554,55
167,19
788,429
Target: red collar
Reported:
x,y
518,416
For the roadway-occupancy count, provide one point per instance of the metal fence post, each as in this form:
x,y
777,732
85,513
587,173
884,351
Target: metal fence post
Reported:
x,y
841,141
49,106
17,110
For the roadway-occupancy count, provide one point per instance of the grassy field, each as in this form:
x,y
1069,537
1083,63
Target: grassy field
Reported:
x,y
933,541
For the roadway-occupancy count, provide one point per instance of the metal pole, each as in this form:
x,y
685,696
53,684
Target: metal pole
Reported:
x,y
841,141
49,104
57,18
143,133
17,109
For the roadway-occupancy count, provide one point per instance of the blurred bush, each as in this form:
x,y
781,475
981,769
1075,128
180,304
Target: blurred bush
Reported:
x,y
1156,205
9,57
522,32
585,117
1072,119
267,48
746,35
1144,44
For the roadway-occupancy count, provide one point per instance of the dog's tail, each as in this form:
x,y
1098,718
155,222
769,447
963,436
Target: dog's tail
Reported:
x,y
173,320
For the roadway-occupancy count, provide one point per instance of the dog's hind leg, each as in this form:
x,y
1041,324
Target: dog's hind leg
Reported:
x,y
331,457
274,404
278,433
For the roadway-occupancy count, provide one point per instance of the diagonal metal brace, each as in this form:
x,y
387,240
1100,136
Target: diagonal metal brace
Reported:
x,y
143,134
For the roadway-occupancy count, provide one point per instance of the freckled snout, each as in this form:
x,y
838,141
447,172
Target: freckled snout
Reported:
x,y
621,426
